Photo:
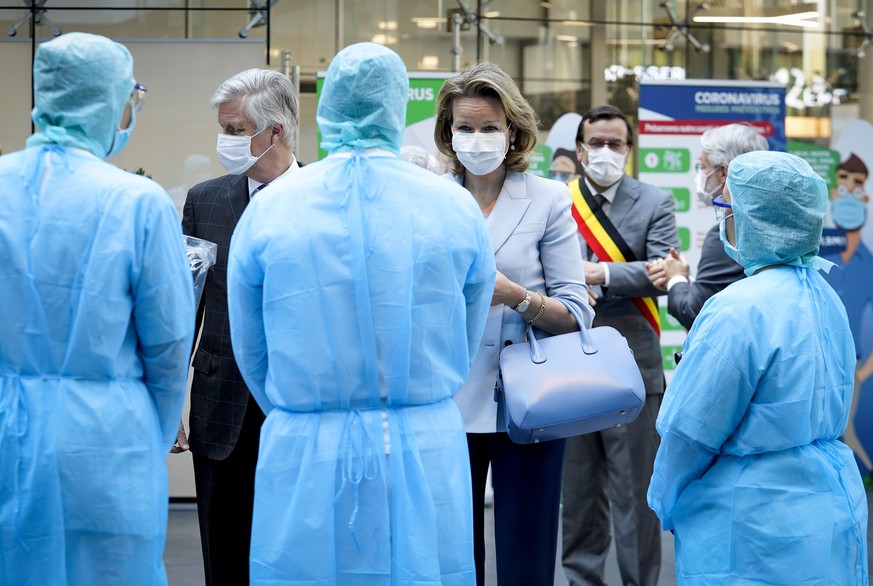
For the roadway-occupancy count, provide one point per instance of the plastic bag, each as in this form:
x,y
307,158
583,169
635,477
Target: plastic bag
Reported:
x,y
201,255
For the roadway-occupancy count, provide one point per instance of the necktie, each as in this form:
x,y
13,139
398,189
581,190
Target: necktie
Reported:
x,y
601,201
257,189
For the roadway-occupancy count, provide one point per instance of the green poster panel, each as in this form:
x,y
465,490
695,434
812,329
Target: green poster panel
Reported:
x,y
682,195
665,160
823,160
540,160
668,356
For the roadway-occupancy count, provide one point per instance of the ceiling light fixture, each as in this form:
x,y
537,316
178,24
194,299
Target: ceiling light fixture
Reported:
x,y
801,19
428,21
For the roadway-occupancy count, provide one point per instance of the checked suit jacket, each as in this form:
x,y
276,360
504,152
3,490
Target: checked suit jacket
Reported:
x,y
219,396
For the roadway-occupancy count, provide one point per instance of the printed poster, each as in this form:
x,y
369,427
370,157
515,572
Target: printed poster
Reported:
x,y
672,116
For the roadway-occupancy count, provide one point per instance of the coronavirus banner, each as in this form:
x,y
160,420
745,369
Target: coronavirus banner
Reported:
x,y
672,116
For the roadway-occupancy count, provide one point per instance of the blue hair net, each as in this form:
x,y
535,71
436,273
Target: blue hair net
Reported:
x,y
363,102
779,206
81,84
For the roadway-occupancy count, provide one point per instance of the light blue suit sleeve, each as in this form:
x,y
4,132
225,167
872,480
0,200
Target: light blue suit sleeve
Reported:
x,y
163,313
561,258
478,290
245,298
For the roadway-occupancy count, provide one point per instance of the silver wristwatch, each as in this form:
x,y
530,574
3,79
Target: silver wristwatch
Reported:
x,y
525,303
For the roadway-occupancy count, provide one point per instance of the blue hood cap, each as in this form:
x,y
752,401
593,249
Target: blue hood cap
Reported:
x,y
363,102
81,85
779,204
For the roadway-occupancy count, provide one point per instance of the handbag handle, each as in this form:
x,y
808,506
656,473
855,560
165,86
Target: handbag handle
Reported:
x,y
537,355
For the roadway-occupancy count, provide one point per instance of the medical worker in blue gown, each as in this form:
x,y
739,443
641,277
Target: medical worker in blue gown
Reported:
x,y
358,291
750,474
96,319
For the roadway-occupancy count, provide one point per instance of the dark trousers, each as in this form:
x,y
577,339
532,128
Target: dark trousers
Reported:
x,y
527,493
606,478
225,497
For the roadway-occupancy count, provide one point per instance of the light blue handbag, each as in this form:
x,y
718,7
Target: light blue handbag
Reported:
x,y
567,385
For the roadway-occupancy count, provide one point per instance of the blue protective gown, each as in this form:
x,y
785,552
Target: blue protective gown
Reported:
x,y
750,473
355,314
96,315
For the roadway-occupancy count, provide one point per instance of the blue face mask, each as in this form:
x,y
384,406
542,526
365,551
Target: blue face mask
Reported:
x,y
848,212
561,176
729,249
122,136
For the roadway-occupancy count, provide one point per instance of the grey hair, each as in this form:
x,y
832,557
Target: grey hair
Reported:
x,y
723,143
266,97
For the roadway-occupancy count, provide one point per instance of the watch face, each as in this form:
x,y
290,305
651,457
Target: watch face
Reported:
x,y
525,303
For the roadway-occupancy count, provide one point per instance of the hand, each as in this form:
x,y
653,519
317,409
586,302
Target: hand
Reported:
x,y
656,273
594,274
675,264
592,300
506,292
863,372
181,444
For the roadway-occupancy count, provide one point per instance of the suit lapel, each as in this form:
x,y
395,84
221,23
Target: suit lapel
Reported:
x,y
511,205
237,194
625,198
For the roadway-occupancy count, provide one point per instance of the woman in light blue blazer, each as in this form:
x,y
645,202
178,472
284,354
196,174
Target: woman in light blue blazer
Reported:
x,y
487,129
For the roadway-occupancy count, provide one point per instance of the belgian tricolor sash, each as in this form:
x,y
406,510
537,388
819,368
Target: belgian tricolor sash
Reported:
x,y
606,242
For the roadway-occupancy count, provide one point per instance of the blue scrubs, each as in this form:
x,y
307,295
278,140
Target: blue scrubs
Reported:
x,y
358,291
750,474
96,315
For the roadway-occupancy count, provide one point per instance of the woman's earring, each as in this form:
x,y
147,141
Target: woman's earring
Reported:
x,y
512,147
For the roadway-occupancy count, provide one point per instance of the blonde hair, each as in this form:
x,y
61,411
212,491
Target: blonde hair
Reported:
x,y
483,79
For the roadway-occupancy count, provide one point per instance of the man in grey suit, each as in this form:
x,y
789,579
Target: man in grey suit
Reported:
x,y
622,224
258,115
716,270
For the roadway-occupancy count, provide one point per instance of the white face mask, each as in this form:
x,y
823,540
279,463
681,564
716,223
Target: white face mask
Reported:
x,y
235,152
480,152
703,195
605,166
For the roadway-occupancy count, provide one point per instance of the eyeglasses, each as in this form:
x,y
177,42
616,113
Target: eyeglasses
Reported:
x,y
698,167
137,97
843,191
615,145
721,207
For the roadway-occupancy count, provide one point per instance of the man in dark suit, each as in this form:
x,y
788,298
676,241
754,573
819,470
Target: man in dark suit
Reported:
x,y
716,270
622,223
258,115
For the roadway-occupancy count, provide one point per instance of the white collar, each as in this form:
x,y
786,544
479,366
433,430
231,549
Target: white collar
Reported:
x,y
254,185
608,193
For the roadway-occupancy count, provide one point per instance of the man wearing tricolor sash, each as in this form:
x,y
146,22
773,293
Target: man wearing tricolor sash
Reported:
x,y
622,223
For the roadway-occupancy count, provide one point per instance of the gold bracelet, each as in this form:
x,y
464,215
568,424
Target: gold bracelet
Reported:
x,y
542,310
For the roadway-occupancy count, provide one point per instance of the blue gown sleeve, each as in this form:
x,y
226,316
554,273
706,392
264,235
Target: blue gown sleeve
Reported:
x,y
245,295
163,312
478,290
703,406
